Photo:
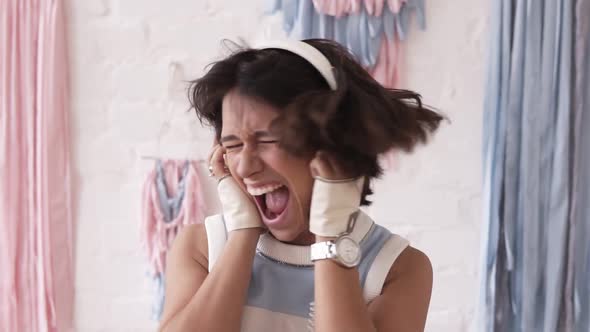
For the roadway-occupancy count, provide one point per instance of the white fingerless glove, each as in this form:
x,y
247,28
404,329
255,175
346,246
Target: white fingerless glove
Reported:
x,y
332,204
238,210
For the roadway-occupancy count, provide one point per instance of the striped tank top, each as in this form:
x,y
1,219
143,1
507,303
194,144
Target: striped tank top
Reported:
x,y
281,289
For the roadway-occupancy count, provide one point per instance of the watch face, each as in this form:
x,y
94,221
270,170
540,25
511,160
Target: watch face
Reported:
x,y
349,251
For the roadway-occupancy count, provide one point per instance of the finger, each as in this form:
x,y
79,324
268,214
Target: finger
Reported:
x,y
336,167
327,166
225,162
320,166
211,152
217,163
330,162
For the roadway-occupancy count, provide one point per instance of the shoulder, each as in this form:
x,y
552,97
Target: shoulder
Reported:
x,y
409,263
405,298
191,242
411,268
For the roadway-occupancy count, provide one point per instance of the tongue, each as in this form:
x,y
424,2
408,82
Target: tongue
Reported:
x,y
276,201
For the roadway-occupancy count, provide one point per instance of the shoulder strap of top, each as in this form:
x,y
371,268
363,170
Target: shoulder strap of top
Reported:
x,y
381,265
216,237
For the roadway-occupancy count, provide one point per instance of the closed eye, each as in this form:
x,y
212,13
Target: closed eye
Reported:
x,y
239,145
233,146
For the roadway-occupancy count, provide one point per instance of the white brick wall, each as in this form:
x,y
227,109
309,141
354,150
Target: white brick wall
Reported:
x,y
129,59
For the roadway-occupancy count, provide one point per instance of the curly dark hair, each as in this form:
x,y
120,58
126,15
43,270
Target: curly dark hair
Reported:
x,y
355,123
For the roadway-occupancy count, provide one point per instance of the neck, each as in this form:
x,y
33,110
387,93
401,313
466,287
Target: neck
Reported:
x,y
306,238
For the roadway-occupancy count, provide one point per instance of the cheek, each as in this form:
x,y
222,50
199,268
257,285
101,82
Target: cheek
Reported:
x,y
231,161
295,170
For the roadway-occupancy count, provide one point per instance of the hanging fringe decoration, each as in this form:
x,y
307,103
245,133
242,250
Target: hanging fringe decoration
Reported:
x,y
535,264
371,29
171,200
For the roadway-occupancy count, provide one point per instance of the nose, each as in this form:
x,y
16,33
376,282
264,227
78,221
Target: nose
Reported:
x,y
248,162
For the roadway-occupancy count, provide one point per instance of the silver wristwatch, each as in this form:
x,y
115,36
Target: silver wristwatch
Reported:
x,y
344,250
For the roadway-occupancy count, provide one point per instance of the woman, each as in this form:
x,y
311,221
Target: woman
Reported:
x,y
299,128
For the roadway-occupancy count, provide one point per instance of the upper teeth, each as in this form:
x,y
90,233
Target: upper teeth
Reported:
x,y
264,190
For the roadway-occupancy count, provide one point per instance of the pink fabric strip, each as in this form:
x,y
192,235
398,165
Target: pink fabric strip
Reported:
x,y
157,235
340,8
386,70
36,228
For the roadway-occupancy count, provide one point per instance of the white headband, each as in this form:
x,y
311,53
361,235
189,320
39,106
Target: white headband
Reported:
x,y
309,53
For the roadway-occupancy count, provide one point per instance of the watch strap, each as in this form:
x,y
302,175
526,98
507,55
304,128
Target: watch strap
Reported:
x,y
322,250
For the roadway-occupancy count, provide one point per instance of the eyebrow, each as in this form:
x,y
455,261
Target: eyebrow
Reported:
x,y
229,138
257,134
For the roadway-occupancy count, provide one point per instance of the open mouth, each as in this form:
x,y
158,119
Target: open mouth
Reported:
x,y
272,201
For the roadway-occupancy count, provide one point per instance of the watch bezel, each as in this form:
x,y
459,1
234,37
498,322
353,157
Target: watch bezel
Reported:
x,y
338,257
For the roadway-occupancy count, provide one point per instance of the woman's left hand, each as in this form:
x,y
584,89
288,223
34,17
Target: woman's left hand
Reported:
x,y
325,166
336,196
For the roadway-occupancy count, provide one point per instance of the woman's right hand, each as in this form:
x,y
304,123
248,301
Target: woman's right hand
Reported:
x,y
239,211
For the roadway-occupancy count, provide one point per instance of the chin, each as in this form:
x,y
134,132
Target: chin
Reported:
x,y
285,235
297,236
